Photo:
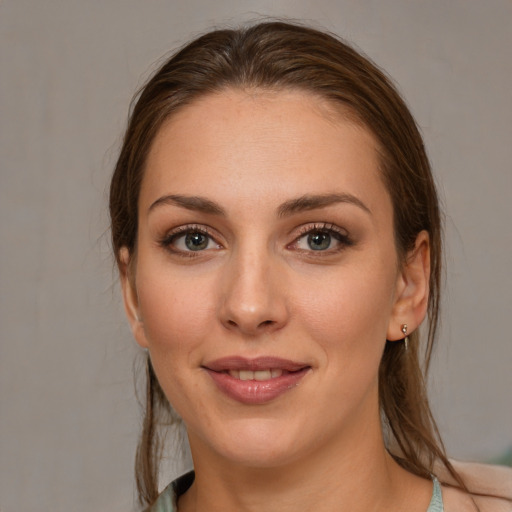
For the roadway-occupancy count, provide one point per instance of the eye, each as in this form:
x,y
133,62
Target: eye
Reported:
x,y
322,238
189,239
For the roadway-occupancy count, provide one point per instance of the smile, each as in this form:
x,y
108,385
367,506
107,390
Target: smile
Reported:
x,y
256,381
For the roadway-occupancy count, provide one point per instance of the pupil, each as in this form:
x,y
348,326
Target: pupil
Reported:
x,y
319,241
196,241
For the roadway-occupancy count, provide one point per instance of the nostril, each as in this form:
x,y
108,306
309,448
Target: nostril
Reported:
x,y
264,324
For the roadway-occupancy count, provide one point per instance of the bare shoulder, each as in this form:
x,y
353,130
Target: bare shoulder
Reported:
x,y
490,486
455,500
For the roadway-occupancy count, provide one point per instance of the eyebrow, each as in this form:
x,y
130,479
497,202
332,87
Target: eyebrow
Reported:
x,y
313,202
195,203
300,204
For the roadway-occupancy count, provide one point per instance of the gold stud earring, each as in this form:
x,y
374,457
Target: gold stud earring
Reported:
x,y
406,338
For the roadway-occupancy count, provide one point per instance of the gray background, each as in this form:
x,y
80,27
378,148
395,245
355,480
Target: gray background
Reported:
x,y
68,69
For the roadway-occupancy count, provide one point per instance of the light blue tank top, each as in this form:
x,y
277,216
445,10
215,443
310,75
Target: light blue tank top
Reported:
x,y
166,502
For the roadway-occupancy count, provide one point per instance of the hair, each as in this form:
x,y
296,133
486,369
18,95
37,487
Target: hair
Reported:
x,y
279,56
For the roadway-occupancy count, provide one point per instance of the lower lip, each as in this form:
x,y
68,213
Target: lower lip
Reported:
x,y
256,392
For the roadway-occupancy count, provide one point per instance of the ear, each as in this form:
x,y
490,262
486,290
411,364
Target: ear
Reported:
x,y
412,289
130,298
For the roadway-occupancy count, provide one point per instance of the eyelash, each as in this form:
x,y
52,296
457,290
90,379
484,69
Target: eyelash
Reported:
x,y
339,235
328,228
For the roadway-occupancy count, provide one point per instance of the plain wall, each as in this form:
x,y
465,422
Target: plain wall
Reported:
x,y
69,418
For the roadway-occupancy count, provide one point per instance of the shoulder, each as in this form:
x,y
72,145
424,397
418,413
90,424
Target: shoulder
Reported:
x,y
490,487
455,500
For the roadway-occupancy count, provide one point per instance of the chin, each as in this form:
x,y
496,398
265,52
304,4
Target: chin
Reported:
x,y
260,455
256,443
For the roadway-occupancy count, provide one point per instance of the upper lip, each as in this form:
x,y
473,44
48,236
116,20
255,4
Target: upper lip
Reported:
x,y
254,364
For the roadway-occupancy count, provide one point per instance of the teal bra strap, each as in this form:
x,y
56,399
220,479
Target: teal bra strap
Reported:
x,y
436,503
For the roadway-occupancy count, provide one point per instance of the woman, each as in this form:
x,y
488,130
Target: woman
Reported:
x,y
277,231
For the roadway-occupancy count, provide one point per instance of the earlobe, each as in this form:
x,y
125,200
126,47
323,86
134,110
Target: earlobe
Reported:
x,y
130,298
412,290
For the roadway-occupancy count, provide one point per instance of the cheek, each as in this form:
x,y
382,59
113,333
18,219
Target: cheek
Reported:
x,y
177,318
177,313
349,315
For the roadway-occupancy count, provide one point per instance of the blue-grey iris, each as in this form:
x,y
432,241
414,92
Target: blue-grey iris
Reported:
x,y
319,241
196,241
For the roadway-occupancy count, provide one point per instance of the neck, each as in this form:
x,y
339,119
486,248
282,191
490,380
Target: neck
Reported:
x,y
357,476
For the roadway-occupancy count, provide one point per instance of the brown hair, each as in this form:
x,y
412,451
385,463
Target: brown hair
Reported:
x,y
276,55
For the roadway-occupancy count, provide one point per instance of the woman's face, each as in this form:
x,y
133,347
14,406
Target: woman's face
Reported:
x,y
266,279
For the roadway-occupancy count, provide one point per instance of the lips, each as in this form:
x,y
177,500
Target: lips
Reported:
x,y
256,381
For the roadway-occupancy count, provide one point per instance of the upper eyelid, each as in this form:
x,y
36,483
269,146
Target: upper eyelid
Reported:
x,y
321,226
190,228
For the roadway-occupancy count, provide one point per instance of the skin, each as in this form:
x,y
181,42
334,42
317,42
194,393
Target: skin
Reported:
x,y
259,289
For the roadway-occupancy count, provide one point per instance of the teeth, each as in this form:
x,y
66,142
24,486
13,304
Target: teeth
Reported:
x,y
262,375
246,375
257,375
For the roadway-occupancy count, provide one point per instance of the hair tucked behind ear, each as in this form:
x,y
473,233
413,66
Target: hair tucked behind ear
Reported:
x,y
279,56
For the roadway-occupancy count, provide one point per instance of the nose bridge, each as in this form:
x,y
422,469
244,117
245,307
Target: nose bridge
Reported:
x,y
253,297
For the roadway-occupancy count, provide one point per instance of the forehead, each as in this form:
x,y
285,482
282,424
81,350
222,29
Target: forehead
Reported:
x,y
255,141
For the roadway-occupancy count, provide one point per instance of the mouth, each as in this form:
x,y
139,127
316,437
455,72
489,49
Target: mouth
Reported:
x,y
256,381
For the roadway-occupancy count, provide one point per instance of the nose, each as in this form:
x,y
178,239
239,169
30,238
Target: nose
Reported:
x,y
253,298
